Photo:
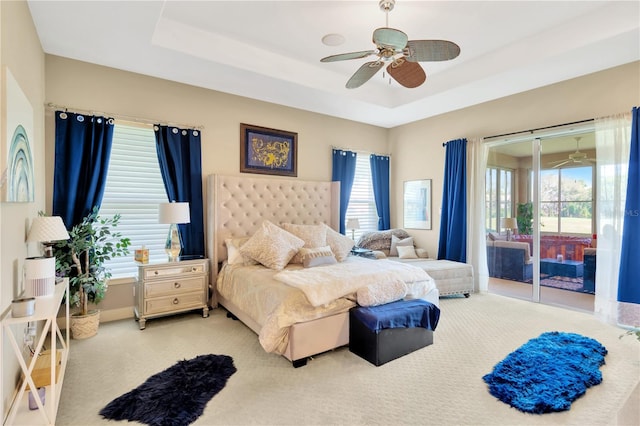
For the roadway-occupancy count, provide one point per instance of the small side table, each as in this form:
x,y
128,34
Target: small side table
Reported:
x,y
166,288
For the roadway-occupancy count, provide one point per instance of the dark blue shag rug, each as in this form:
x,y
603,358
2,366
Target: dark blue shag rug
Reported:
x,y
547,373
175,396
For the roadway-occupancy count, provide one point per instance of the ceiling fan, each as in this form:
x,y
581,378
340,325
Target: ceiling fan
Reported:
x,y
576,158
394,47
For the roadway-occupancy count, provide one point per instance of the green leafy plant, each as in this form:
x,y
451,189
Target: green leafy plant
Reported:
x,y
635,332
525,218
82,258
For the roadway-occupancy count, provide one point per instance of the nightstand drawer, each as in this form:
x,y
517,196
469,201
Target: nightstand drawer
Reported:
x,y
177,270
173,303
174,287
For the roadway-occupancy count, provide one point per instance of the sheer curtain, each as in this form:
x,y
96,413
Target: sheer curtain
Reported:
x,y
478,152
613,137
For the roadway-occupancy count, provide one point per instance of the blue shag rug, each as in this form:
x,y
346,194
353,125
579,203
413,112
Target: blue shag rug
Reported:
x,y
176,396
547,373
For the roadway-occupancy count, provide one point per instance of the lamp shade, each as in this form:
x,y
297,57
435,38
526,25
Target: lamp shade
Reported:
x,y
47,228
353,223
509,223
174,213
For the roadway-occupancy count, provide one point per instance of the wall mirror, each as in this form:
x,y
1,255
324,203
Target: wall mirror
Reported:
x,y
417,204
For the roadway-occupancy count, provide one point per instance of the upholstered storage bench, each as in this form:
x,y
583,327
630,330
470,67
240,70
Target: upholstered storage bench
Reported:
x,y
451,278
380,334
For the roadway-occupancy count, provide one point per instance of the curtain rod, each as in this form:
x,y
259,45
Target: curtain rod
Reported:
x,y
530,131
51,105
361,151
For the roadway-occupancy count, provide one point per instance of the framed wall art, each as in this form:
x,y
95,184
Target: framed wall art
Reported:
x,y
268,151
417,204
17,161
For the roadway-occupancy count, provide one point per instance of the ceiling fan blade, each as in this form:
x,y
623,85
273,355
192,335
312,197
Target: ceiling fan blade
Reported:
x,y
431,50
560,164
345,56
408,74
364,73
390,38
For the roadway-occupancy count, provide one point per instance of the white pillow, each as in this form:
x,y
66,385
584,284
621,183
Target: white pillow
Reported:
x,y
341,245
234,257
407,252
312,235
272,246
395,242
312,257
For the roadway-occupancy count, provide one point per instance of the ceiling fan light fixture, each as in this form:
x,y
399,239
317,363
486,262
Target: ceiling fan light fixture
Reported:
x,y
333,39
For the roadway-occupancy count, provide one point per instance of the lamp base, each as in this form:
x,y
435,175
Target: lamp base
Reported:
x,y
173,247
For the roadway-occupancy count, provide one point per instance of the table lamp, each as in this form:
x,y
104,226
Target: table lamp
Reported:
x,y
353,224
173,214
40,272
509,223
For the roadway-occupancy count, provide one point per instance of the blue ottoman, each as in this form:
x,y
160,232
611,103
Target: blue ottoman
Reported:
x,y
380,334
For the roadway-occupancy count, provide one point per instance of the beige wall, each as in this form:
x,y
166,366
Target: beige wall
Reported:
x,y
417,147
22,54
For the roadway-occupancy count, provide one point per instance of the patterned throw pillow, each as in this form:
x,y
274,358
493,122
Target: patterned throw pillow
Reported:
x,y
312,257
272,246
312,235
341,245
234,257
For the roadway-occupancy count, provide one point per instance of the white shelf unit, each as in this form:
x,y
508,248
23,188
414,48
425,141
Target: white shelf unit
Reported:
x,y
46,311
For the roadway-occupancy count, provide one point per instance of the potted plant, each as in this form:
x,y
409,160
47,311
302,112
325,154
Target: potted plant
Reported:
x,y
92,242
525,218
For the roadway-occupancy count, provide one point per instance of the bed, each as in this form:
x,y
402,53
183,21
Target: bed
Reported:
x,y
238,207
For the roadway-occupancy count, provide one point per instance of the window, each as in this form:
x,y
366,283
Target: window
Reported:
x,y
134,188
362,203
498,197
566,200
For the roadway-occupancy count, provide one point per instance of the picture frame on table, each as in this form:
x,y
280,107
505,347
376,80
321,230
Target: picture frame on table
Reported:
x,y
268,151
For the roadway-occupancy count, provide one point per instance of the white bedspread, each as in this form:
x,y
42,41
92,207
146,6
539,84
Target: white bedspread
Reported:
x,y
324,284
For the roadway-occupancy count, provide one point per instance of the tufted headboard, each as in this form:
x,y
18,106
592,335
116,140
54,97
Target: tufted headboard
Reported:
x,y
237,205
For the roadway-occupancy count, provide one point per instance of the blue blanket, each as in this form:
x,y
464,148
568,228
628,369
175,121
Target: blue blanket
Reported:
x,y
400,314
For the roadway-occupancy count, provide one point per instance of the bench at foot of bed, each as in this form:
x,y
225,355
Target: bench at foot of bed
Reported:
x,y
380,334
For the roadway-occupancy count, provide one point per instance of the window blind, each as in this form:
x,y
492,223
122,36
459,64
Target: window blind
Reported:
x,y
362,203
134,188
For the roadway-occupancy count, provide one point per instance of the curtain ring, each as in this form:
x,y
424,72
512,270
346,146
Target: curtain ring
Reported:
x,y
80,118
63,115
110,121
99,120
184,133
156,128
195,133
175,131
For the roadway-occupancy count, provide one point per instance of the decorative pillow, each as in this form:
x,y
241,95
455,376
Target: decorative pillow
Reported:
x,y
341,245
407,252
312,235
422,253
395,242
312,257
381,293
272,246
378,254
234,257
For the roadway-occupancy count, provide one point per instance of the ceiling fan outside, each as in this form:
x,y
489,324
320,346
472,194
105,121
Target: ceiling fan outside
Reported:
x,y
577,157
402,55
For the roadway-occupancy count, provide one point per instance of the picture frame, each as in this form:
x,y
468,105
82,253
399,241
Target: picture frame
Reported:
x,y
268,151
417,204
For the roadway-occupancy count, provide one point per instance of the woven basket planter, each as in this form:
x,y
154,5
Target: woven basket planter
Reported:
x,y
85,326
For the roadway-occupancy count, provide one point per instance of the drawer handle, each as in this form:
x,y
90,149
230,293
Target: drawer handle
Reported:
x,y
176,285
156,272
176,301
194,269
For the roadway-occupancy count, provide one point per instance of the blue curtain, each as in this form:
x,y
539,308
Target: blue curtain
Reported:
x,y
344,170
380,179
180,159
82,152
628,283
453,219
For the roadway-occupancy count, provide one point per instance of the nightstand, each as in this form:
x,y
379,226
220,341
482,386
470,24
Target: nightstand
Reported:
x,y
165,288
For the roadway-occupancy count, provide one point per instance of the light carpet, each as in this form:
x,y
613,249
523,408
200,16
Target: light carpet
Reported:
x,y
440,384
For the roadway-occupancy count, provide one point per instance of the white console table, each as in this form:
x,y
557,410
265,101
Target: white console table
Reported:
x,y
46,312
